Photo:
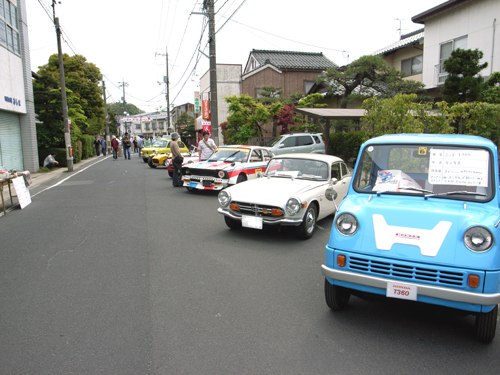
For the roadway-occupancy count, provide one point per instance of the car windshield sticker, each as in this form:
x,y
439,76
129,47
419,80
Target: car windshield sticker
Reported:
x,y
394,180
234,149
459,167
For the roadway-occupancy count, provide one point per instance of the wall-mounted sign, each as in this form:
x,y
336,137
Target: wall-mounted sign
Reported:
x,y
206,107
196,101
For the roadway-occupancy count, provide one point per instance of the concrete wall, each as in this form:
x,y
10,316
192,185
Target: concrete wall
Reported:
x,y
474,19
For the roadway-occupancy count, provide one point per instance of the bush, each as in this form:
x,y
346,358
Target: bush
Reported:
x,y
347,145
60,157
88,149
77,152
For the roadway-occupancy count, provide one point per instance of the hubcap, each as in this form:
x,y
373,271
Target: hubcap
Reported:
x,y
310,221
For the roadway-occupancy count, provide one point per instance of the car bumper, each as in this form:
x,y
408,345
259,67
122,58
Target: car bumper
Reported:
x,y
283,221
206,183
423,289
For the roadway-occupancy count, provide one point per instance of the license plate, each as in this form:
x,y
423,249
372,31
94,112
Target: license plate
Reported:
x,y
193,184
254,222
401,291
207,183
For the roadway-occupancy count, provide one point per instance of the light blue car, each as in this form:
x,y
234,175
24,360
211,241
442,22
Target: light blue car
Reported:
x,y
419,223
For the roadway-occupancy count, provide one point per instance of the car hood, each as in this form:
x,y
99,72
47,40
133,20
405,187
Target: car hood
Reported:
x,y
211,165
273,191
417,229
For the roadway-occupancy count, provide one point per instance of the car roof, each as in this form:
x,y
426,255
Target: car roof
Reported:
x,y
241,146
318,157
432,138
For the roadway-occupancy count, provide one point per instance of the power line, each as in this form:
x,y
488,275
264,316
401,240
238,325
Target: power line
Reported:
x,y
185,29
243,2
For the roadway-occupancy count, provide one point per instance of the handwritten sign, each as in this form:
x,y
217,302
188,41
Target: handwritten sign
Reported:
x,y
23,194
459,167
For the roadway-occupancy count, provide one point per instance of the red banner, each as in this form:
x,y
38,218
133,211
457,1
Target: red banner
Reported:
x,y
205,107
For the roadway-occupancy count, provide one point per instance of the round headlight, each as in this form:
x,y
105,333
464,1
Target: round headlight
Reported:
x,y
346,224
478,239
220,174
293,206
224,198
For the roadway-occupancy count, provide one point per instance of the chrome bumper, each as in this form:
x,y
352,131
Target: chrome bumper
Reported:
x,y
423,289
290,222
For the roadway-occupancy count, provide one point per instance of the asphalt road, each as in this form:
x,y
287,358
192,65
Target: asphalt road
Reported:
x,y
114,271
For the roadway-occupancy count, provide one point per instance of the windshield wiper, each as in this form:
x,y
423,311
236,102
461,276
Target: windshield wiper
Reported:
x,y
456,193
408,188
230,156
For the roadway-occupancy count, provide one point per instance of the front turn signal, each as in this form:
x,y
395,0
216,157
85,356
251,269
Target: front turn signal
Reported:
x,y
473,281
341,260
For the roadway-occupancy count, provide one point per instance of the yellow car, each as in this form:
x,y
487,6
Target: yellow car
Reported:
x,y
160,146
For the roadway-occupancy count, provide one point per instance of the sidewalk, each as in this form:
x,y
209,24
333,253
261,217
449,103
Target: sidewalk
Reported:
x,y
40,178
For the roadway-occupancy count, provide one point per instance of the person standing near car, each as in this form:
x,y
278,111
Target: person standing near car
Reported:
x,y
140,144
126,146
114,146
206,146
177,160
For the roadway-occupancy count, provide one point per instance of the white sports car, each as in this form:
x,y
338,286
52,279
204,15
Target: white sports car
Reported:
x,y
296,190
228,165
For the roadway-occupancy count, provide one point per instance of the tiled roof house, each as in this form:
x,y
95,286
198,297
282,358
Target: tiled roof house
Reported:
x,y
290,71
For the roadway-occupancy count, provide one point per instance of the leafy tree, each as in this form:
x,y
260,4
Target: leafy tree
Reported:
x,y
82,77
119,108
269,94
112,122
184,120
246,119
491,89
286,118
402,114
475,118
464,84
366,77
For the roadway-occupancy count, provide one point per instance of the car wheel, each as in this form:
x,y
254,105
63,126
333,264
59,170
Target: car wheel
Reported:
x,y
171,174
336,297
486,325
242,177
189,188
144,160
150,163
306,229
231,223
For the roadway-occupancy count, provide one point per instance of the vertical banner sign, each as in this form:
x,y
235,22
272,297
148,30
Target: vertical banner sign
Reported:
x,y
23,194
206,107
196,102
207,127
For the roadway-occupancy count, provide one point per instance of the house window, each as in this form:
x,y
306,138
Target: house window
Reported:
x,y
160,124
308,85
448,47
412,66
138,126
9,35
146,125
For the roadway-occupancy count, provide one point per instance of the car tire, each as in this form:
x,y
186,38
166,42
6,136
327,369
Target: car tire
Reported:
x,y
336,297
486,325
231,223
190,188
144,160
150,162
306,229
171,174
242,177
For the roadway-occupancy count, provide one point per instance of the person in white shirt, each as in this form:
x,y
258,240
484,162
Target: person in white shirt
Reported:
x,y
206,146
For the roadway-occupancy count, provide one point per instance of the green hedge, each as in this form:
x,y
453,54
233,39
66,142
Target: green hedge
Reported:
x,y
77,152
88,149
346,145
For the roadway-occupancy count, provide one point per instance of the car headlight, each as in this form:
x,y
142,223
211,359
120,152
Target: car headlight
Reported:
x,y
478,239
220,174
346,224
293,206
224,198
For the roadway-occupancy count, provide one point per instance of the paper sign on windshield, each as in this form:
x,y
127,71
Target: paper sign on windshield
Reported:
x,y
394,180
458,167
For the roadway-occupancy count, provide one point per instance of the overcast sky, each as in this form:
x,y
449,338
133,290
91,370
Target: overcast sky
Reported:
x,y
122,37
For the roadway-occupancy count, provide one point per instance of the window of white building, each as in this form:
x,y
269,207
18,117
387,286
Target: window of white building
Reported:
x,y
412,66
448,47
9,34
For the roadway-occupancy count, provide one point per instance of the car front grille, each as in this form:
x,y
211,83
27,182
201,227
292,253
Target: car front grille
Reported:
x,y
407,271
202,172
257,209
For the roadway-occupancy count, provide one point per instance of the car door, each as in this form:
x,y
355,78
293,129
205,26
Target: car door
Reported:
x,y
287,145
257,163
305,144
343,180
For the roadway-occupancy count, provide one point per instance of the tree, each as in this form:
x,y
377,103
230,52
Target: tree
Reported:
x,y
402,114
475,118
119,108
491,89
184,121
246,119
464,84
366,77
269,94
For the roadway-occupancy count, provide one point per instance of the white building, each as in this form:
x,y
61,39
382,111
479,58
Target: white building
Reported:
x,y
228,84
18,144
466,24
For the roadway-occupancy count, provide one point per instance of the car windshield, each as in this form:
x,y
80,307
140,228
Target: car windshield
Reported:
x,y
432,171
275,141
230,154
159,143
298,168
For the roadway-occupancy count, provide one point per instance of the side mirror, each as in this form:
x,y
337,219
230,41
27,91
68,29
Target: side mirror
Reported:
x,y
259,175
331,194
233,164
334,181
281,145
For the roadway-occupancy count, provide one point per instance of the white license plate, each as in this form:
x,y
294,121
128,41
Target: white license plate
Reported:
x,y
254,222
401,291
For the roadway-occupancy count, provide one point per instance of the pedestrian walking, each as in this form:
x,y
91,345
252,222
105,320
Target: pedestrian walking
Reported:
x,y
114,146
206,146
135,145
104,146
140,144
126,146
177,160
97,146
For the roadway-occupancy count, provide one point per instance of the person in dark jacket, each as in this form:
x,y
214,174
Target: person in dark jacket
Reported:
x,y
114,146
104,146
97,146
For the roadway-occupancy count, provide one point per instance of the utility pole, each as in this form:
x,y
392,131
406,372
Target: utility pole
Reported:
x,y
167,86
124,84
208,5
67,135
108,142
